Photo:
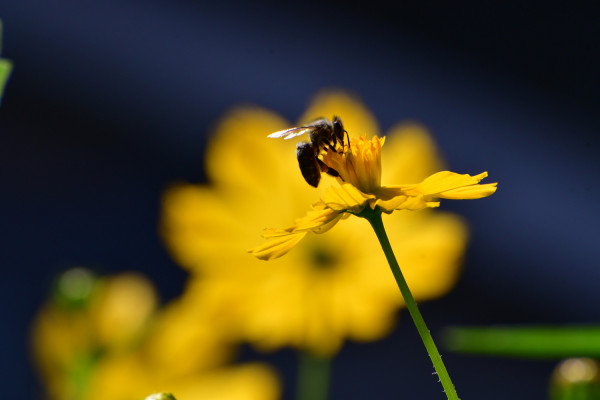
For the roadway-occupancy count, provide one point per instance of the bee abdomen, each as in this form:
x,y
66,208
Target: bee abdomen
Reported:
x,y
309,166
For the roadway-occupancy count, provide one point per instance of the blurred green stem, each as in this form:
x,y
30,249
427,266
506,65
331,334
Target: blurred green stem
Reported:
x,y
313,377
374,218
526,341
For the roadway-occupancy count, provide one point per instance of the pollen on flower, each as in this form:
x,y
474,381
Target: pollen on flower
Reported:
x,y
359,163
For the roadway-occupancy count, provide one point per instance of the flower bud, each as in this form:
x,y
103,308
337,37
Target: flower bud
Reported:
x,y
576,378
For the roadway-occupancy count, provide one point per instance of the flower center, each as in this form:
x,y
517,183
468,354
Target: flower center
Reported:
x,y
358,163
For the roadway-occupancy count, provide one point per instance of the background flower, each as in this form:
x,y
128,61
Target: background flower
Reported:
x,y
329,288
106,339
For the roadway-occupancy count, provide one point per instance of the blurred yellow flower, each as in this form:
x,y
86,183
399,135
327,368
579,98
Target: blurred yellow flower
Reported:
x,y
359,168
82,353
130,378
87,317
326,290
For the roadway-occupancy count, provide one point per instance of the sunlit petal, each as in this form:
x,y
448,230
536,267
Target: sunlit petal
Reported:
x,y
277,246
346,197
446,181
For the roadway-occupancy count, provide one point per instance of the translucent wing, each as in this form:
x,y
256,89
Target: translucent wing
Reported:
x,y
292,132
316,125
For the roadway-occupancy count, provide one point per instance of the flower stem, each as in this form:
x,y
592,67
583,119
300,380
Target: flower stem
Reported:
x,y
374,218
313,377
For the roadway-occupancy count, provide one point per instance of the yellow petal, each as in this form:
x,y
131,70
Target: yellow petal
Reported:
x,y
283,240
470,192
187,336
409,155
122,312
130,377
240,156
248,381
277,246
196,222
331,223
346,198
314,220
445,181
404,203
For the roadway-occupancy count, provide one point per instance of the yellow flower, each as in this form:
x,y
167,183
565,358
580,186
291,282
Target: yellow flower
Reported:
x,y
86,317
359,169
326,290
184,353
105,339
129,377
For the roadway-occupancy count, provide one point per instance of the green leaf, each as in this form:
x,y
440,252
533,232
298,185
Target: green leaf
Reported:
x,y
5,68
525,341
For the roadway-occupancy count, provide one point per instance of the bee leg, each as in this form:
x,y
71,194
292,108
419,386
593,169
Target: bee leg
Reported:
x,y
327,170
335,140
332,172
331,145
338,131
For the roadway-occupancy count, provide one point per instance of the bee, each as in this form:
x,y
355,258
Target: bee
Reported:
x,y
322,134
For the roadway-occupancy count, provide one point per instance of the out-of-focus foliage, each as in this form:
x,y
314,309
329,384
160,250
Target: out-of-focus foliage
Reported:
x,y
105,338
526,341
5,67
572,379
331,287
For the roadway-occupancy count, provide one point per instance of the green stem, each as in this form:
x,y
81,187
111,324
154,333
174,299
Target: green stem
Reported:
x,y
313,377
374,218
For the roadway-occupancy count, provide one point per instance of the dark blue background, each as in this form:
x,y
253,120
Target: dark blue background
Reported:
x,y
110,101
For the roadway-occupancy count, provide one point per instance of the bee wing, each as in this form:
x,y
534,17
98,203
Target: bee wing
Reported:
x,y
290,133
